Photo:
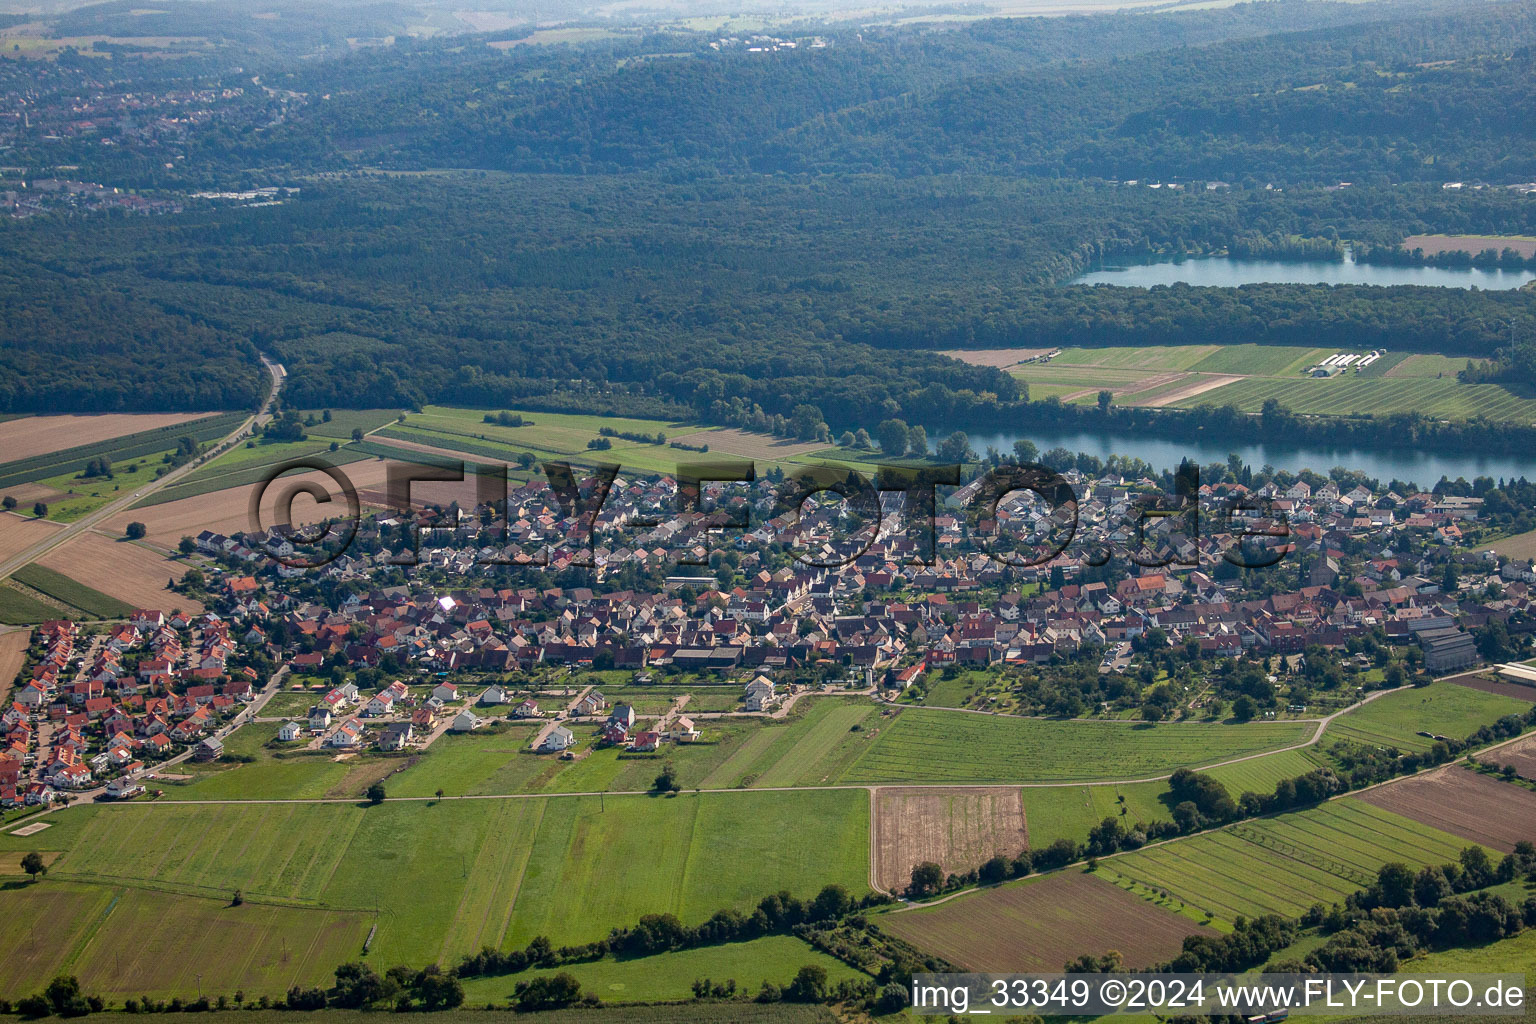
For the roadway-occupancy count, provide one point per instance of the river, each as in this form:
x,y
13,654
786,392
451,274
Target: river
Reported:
x,y
1422,468
1226,272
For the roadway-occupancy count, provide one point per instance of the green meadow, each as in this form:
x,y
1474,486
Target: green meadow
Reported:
x,y
445,878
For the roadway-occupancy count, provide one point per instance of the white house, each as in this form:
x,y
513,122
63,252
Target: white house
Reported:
x,y
288,732
446,692
495,694
559,738
759,694
319,717
465,721
348,734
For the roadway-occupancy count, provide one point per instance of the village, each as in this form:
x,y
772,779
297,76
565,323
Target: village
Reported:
x,y
393,666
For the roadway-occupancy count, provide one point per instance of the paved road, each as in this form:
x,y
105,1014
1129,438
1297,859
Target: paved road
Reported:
x,y
79,526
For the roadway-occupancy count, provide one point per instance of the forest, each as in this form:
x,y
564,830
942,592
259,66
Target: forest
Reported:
x,y
715,297
730,236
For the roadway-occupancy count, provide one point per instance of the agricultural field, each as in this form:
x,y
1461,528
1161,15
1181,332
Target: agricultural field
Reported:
x,y
958,829
666,976
1521,753
565,436
1261,774
45,924
13,653
129,941
127,572
228,510
926,746
1068,812
1246,375
1281,865
1442,708
17,532
703,1013
344,421
1520,545
1501,685
1433,245
65,462
1454,799
1041,923
18,608
60,587
30,436
1345,396
243,466
449,877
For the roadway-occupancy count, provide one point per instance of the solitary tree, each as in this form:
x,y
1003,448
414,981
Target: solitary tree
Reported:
x,y
376,793
33,865
9,502
40,510
135,531
927,878
186,545
439,793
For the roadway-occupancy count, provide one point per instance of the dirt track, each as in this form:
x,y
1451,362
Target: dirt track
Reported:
x,y
1201,383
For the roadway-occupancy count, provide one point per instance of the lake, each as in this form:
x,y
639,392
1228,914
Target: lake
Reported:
x,y
1422,468
1225,272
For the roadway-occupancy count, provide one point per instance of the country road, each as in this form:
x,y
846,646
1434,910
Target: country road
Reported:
x,y
24,558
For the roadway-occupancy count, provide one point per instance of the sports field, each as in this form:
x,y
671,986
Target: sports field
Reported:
x,y
1283,865
1442,708
446,878
956,746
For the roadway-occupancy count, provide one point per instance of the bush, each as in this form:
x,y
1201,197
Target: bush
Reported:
x,y
33,1006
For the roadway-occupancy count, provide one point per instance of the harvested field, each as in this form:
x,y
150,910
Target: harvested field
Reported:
x,y
958,829
1521,754
10,861
1464,803
997,357
227,512
17,533
1506,687
13,651
127,571
26,494
1198,384
1433,245
1041,924
39,435
1520,545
